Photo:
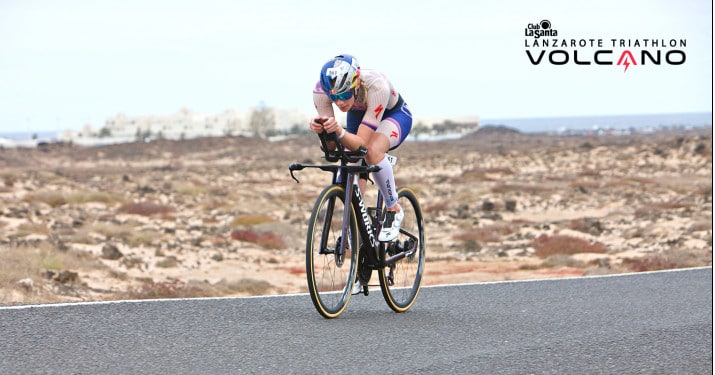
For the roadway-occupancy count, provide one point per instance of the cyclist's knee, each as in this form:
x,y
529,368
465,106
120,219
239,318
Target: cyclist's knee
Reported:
x,y
374,157
376,149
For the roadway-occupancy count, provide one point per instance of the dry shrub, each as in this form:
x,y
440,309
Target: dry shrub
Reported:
x,y
587,225
650,263
190,189
144,237
584,185
492,233
705,190
578,224
145,208
671,259
22,262
514,188
252,219
9,179
701,226
589,173
437,207
132,261
269,240
94,196
168,262
18,263
120,231
295,270
51,198
166,289
56,198
245,286
630,181
26,229
704,149
481,174
213,204
196,289
90,233
561,260
659,207
546,246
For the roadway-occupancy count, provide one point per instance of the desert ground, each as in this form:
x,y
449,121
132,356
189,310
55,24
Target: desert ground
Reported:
x,y
222,216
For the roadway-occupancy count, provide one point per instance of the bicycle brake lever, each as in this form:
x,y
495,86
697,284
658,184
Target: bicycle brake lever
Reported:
x,y
295,167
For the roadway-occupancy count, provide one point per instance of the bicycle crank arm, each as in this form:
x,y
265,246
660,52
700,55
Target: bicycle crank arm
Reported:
x,y
393,259
404,252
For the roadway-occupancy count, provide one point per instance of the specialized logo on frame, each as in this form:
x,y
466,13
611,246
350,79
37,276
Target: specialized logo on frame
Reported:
x,y
546,46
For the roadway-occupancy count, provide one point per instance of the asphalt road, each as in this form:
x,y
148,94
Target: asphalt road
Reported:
x,y
650,323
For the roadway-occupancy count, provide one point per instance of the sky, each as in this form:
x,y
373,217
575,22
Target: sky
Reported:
x,y
65,64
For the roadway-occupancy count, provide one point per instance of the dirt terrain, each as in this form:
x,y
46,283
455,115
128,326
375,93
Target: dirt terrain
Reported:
x,y
222,217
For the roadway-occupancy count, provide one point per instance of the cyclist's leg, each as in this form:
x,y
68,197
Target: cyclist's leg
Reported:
x,y
390,133
353,126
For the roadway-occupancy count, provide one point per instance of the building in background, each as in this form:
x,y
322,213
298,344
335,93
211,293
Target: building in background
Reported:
x,y
186,124
259,121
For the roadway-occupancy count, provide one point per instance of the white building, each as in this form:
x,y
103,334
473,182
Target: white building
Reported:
x,y
186,124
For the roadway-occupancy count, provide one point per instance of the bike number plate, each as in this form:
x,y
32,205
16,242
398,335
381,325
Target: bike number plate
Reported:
x,y
392,159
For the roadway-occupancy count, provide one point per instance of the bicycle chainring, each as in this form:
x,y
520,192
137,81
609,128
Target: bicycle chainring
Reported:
x,y
364,271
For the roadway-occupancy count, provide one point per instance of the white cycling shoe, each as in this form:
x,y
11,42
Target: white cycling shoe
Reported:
x,y
391,225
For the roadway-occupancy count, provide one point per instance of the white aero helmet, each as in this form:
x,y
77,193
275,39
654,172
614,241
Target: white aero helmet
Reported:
x,y
339,75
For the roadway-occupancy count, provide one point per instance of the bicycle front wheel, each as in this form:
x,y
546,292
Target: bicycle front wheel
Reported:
x,y
330,271
400,280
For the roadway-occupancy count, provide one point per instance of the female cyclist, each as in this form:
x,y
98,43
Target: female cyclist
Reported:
x,y
377,119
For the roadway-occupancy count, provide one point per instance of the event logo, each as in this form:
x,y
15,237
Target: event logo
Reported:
x,y
544,45
540,29
626,59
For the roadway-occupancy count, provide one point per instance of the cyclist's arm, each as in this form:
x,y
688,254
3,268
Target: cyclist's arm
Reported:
x,y
325,121
349,140
322,103
324,107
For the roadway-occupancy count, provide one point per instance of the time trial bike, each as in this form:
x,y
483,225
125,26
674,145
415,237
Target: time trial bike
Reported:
x,y
342,246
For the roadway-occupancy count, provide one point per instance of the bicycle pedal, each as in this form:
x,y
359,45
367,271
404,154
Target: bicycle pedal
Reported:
x,y
358,292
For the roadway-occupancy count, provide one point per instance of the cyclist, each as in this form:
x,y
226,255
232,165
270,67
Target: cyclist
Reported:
x,y
377,119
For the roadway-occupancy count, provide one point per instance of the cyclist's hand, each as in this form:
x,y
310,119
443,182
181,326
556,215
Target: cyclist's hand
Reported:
x,y
316,125
331,126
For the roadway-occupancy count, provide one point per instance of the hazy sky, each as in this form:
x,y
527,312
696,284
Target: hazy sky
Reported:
x,y
67,63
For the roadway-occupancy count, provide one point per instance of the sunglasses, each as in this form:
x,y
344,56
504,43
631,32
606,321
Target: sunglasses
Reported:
x,y
343,96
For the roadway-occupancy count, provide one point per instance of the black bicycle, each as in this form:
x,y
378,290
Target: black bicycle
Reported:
x,y
342,248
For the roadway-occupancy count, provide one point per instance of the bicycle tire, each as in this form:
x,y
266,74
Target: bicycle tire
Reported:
x,y
330,277
400,291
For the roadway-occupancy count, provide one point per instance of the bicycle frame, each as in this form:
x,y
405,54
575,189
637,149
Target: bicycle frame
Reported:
x,y
367,224
367,227
342,256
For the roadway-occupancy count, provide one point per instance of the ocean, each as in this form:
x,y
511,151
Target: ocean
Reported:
x,y
623,122
28,135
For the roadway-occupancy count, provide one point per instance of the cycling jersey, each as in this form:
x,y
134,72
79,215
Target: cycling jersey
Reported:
x,y
375,102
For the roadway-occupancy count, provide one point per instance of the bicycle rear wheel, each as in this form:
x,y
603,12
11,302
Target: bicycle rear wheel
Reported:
x,y
400,282
331,273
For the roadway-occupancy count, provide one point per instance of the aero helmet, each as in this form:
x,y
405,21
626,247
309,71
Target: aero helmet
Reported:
x,y
339,74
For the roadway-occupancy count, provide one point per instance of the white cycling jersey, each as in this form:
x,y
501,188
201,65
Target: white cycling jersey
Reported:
x,y
375,98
